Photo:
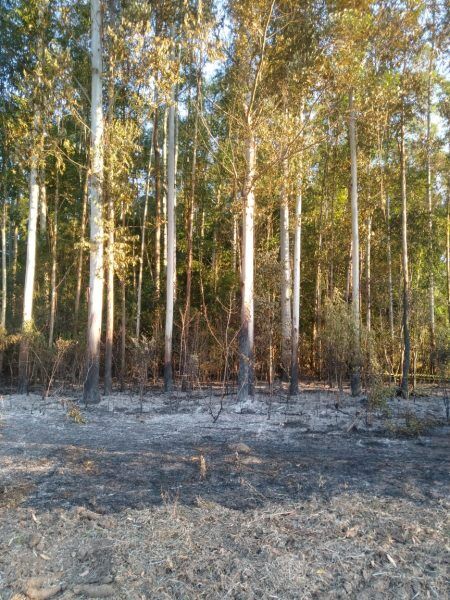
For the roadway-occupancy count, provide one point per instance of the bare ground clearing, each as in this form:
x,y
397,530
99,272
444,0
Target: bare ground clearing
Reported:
x,y
158,501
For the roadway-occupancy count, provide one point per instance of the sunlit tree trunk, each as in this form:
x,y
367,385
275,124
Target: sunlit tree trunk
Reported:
x,y
109,338
81,252
368,274
91,385
170,281
296,287
356,366
164,187
43,207
54,247
30,269
14,267
431,292
286,320
157,202
246,339
123,328
405,270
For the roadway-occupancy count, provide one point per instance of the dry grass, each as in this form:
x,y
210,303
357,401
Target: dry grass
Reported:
x,y
353,546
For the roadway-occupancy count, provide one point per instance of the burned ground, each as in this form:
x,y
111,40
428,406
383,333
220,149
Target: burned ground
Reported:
x,y
158,501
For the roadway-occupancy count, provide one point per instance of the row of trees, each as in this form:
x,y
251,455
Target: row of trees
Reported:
x,y
265,183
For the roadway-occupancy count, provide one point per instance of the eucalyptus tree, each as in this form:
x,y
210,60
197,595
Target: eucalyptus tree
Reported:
x,y
91,393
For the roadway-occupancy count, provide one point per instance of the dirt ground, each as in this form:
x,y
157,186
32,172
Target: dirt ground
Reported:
x,y
316,498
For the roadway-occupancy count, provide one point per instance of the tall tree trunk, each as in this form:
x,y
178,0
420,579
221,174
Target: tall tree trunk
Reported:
x,y
14,267
123,329
246,339
296,287
286,320
368,274
30,269
164,187
448,253
405,271
91,385
432,324
54,242
109,338
170,275
356,361
4,279
81,252
142,252
157,202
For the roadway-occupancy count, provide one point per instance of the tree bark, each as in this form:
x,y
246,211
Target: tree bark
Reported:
x,y
157,203
170,275
30,270
432,325
286,319
296,287
54,242
246,338
368,275
405,271
109,338
356,361
91,392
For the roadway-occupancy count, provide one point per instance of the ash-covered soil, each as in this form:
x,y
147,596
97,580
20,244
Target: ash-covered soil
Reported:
x,y
324,499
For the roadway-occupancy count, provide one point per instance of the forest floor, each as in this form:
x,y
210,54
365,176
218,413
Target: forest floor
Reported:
x,y
155,499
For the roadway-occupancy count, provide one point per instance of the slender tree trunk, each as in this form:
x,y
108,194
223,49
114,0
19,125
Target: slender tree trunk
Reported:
x,y
246,339
286,320
158,203
368,275
296,290
54,247
4,270
91,385
109,298
448,253
4,279
356,366
432,325
170,285
30,269
14,267
81,252
141,256
164,186
123,330
405,270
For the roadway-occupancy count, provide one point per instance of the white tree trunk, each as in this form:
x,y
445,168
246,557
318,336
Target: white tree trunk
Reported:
x,y
296,287
30,270
96,277
286,321
405,268
246,340
170,271
356,376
